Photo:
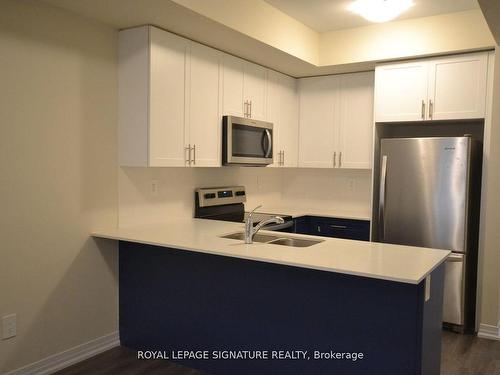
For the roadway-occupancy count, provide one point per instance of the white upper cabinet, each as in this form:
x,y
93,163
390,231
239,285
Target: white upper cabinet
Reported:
x,y
448,88
244,88
457,87
274,113
401,92
254,90
173,93
283,112
203,124
336,121
151,97
169,110
355,140
318,116
232,93
289,122
167,99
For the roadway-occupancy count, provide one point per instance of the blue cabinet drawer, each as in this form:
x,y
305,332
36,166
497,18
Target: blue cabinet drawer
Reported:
x,y
333,227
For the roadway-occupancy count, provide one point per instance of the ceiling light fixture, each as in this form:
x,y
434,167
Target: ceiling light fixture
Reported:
x,y
380,10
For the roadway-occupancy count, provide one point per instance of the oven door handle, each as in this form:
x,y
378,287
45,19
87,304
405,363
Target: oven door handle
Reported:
x,y
286,224
269,143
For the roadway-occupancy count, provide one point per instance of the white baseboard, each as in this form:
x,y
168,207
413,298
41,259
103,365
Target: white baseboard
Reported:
x,y
487,331
69,357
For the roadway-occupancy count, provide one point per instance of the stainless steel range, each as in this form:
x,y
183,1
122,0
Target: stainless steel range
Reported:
x,y
227,204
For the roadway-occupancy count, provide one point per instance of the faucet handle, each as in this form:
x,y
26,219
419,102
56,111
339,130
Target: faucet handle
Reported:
x,y
279,219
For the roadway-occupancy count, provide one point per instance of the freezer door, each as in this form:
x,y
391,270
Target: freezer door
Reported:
x,y
423,192
453,298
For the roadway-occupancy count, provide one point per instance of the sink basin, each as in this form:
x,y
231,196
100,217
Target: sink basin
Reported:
x,y
274,240
257,238
294,242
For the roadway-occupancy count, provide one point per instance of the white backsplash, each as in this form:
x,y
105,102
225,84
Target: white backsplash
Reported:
x,y
345,191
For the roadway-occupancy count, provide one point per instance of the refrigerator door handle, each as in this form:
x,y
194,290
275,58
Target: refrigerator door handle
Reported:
x,y
455,258
453,299
381,203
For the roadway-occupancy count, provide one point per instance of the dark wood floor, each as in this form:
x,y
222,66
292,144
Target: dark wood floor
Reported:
x,y
462,355
469,355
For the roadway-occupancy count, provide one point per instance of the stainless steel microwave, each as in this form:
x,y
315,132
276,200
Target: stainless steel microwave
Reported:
x,y
246,141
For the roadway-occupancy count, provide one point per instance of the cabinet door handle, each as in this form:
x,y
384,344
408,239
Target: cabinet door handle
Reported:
x,y
245,108
423,110
334,159
283,161
250,102
431,108
338,226
188,148
340,159
194,154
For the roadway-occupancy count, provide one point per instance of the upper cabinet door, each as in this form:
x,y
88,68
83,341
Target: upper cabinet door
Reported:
x,y
255,90
457,87
356,120
167,99
203,128
283,112
274,113
232,93
401,92
318,116
289,122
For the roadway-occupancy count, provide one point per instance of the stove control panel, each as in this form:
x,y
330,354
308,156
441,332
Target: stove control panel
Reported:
x,y
218,196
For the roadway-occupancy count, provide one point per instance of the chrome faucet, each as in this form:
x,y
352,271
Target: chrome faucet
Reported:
x,y
250,231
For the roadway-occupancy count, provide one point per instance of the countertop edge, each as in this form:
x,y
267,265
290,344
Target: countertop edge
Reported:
x,y
285,263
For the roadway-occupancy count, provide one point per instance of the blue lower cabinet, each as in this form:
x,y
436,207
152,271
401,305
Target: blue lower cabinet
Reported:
x,y
333,227
175,302
302,225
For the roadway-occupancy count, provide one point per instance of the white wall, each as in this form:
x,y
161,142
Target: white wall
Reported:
x,y
321,190
263,22
58,179
258,32
426,36
175,198
490,257
342,192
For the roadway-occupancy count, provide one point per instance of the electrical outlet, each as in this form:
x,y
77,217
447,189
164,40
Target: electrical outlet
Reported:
x,y
9,326
352,184
155,187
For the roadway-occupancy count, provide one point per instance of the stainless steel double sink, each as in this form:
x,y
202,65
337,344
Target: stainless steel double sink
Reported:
x,y
274,240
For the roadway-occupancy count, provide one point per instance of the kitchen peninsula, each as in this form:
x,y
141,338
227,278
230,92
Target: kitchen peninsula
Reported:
x,y
183,287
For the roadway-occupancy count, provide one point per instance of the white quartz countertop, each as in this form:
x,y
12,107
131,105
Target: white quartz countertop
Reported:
x,y
297,212
369,259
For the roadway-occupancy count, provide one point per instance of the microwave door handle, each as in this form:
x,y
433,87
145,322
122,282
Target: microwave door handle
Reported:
x,y
269,143
381,205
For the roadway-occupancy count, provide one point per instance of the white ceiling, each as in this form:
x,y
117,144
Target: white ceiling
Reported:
x,y
327,15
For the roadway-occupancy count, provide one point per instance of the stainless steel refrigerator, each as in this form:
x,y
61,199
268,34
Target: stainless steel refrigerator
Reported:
x,y
428,194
